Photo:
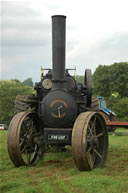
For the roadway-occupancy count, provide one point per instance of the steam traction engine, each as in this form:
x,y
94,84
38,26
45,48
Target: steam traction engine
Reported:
x,y
58,115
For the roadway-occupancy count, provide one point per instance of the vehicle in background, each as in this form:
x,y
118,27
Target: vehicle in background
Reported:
x,y
103,108
99,104
3,127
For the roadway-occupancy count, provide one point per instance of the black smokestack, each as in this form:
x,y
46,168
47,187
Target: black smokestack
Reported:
x,y
58,52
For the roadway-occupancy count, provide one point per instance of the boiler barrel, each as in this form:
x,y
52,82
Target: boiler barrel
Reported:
x,y
58,52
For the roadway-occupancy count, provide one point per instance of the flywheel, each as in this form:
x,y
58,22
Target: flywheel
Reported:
x,y
25,139
89,141
88,84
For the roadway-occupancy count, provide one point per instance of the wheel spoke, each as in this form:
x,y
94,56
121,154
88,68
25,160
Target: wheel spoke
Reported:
x,y
24,125
22,141
90,159
90,148
29,156
24,148
100,134
98,153
31,125
90,130
94,125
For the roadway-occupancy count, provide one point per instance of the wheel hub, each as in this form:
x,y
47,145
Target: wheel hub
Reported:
x,y
94,142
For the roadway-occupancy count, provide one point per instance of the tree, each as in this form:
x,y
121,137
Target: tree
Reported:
x,y
80,79
112,82
119,79
113,79
16,80
121,108
101,81
28,82
8,91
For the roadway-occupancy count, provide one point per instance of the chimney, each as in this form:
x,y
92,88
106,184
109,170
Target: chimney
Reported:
x,y
58,52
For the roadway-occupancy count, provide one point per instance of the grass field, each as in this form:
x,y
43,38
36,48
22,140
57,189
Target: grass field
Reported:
x,y
56,173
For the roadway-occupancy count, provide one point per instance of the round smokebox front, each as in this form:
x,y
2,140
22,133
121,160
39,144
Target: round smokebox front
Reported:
x,y
60,109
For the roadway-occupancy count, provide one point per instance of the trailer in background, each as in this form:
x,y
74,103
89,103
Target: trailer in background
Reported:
x,y
118,124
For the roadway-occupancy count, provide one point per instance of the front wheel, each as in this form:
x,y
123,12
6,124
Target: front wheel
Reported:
x,y
25,139
89,141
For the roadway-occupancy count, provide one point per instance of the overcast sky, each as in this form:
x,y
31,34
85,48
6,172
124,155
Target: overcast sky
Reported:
x,y
96,33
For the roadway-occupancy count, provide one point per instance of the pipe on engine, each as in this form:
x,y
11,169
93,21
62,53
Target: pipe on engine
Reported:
x,y
58,52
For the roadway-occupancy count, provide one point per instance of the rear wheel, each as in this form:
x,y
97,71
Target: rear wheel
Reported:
x,y
95,106
25,103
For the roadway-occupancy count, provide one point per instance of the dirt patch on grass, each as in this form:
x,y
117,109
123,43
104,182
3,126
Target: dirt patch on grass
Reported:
x,y
54,162
118,167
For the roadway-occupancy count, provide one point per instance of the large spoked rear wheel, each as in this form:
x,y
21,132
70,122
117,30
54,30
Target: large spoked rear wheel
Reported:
x,y
25,139
25,103
89,141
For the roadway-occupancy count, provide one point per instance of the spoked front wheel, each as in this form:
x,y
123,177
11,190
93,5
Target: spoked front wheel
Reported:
x,y
89,141
25,139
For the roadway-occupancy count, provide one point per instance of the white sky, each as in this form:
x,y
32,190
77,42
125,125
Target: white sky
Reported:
x,y
96,33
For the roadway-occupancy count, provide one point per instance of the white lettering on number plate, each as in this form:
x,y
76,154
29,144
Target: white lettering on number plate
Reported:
x,y
58,137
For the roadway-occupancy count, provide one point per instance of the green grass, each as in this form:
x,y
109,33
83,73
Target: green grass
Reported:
x,y
56,173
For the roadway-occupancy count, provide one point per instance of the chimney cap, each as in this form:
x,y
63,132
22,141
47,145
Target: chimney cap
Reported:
x,y
59,16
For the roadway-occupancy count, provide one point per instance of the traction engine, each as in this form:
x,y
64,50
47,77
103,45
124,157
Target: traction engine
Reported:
x,y
59,115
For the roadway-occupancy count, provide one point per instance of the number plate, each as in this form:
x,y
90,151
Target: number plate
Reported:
x,y
58,137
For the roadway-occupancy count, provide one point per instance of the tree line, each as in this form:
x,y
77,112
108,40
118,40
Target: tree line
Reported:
x,y
9,89
110,81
